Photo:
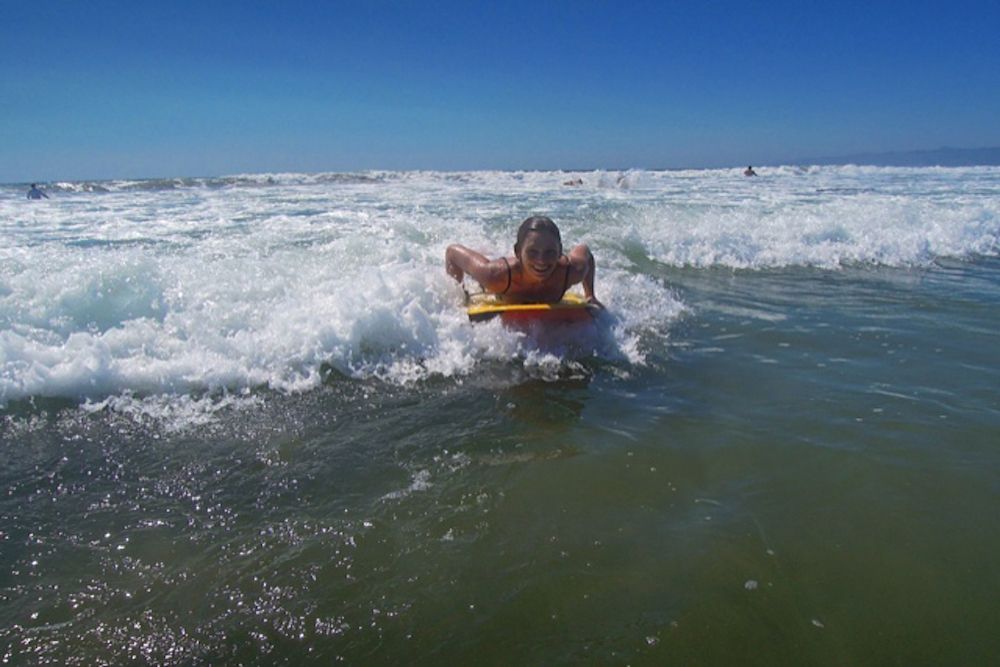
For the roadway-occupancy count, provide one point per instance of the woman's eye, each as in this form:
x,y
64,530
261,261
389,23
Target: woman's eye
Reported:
x,y
547,255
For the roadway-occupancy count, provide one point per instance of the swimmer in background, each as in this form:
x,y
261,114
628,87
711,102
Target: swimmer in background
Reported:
x,y
35,193
749,171
574,181
538,272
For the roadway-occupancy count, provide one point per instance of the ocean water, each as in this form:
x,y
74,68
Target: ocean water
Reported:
x,y
245,420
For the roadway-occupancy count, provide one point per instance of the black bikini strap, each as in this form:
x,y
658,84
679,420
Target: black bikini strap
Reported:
x,y
509,277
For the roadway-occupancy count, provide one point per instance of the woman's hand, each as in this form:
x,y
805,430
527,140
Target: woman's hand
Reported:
x,y
453,271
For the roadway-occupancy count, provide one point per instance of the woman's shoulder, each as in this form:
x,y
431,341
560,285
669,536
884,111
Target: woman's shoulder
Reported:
x,y
501,266
501,273
578,258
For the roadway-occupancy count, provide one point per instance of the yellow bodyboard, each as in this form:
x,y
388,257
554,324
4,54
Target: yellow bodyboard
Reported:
x,y
572,308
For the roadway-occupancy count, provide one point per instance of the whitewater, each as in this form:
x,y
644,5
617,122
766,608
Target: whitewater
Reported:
x,y
145,293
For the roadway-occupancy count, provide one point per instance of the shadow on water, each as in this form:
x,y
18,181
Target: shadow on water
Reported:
x,y
546,405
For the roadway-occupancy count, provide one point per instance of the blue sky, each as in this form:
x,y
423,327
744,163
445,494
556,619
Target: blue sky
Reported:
x,y
142,89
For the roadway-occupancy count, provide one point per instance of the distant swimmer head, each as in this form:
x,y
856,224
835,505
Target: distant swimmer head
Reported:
x,y
538,224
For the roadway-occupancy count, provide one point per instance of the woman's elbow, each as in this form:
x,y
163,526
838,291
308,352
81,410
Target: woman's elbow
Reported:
x,y
582,254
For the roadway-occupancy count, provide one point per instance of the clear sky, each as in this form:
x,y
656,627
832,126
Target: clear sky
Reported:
x,y
176,88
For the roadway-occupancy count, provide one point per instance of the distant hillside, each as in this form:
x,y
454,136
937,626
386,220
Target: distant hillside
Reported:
x,y
939,157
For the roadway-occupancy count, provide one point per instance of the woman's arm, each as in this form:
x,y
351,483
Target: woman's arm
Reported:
x,y
584,267
493,275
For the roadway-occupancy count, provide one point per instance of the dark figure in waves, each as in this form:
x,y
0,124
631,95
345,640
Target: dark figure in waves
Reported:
x,y
35,193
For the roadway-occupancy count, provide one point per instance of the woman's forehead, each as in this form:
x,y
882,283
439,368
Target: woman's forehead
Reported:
x,y
538,237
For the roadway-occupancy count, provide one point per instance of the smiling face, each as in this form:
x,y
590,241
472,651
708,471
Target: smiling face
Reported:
x,y
539,254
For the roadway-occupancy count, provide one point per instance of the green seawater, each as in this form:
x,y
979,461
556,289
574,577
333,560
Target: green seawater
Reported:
x,y
806,471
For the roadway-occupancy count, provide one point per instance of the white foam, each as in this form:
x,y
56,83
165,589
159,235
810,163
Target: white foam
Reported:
x,y
124,293
823,217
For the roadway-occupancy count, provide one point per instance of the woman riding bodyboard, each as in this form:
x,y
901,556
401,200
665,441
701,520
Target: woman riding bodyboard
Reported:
x,y
538,272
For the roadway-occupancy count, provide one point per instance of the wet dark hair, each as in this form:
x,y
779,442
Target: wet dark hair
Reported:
x,y
536,223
